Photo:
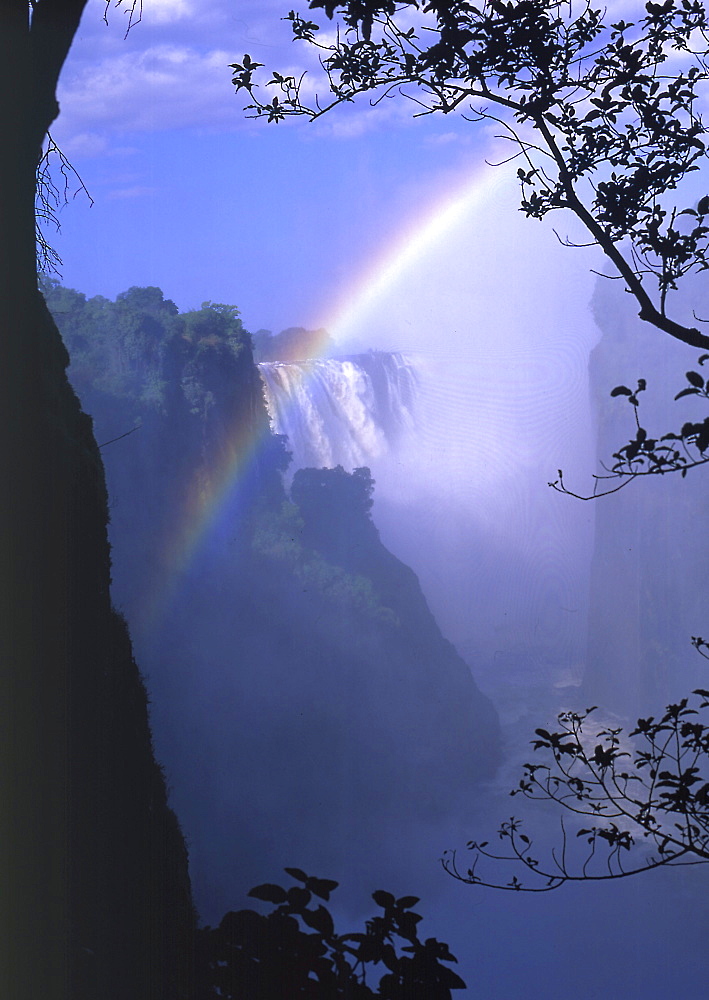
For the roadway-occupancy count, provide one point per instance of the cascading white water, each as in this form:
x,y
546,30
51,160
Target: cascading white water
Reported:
x,y
341,411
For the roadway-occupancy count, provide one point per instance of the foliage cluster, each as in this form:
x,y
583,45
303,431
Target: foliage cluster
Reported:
x,y
132,348
295,950
342,493
278,535
672,452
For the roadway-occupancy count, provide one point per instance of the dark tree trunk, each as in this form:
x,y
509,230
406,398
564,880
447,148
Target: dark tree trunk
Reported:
x,y
94,894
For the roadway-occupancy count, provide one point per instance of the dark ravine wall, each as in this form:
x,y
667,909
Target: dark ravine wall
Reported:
x,y
96,896
648,576
305,704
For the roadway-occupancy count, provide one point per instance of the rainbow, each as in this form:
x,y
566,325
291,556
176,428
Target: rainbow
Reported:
x,y
204,499
207,501
415,242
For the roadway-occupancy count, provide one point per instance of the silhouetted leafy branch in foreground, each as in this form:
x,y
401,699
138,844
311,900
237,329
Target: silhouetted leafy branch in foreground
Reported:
x,y
643,455
602,116
646,793
295,951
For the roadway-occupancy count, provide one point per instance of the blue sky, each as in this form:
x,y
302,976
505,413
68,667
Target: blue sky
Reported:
x,y
191,195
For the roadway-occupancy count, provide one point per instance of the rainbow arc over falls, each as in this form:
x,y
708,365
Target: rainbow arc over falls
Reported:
x,y
211,494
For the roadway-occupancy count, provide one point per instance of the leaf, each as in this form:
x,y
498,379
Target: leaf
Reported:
x,y
320,920
694,378
269,893
297,874
322,887
236,925
389,957
406,902
298,897
383,899
703,206
621,390
450,979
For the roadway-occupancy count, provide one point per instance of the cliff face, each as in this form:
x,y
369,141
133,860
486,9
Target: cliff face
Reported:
x,y
648,573
97,899
305,703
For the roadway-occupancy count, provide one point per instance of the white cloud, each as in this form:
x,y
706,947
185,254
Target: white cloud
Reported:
x,y
136,191
170,71
81,144
166,11
163,87
174,86
464,137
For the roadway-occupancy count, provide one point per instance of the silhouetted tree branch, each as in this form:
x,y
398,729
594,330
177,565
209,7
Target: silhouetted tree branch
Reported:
x,y
603,115
676,451
645,792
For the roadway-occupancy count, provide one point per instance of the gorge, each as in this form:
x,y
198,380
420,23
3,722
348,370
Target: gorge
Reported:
x,y
305,704
300,685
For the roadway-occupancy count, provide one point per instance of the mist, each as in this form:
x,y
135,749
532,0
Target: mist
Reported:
x,y
496,315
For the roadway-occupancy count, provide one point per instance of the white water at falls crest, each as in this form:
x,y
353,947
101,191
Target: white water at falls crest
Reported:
x,y
341,411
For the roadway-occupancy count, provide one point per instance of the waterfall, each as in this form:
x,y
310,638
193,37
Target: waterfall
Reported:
x,y
341,411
